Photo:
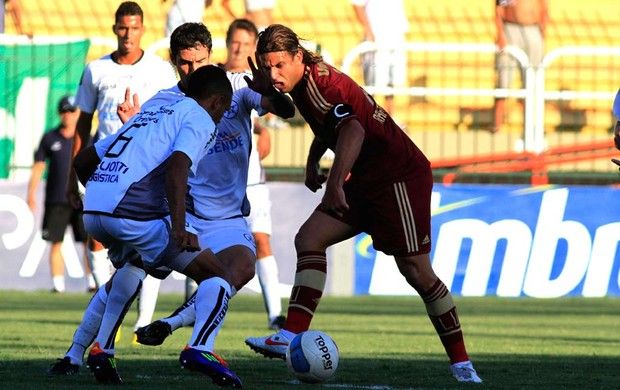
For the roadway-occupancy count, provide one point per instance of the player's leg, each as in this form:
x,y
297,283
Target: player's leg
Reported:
x,y
211,304
124,287
401,227
99,263
121,237
55,221
83,336
147,301
234,248
320,231
80,236
267,272
57,265
259,221
441,310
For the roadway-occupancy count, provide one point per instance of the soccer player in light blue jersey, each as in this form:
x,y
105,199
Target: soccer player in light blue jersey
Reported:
x,y
217,214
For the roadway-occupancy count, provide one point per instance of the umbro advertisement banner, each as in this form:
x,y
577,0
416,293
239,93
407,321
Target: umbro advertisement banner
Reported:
x,y
508,241
34,75
512,241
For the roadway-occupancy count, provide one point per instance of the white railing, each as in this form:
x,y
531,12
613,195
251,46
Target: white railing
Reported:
x,y
542,95
533,93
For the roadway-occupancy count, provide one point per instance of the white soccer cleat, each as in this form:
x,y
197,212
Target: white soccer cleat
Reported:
x,y
273,346
464,372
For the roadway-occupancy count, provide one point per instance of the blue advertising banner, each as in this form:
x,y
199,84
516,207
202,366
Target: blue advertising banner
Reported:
x,y
512,241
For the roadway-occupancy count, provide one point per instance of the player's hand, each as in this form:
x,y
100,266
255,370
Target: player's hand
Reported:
x,y
314,177
185,240
75,200
129,107
334,200
260,81
72,193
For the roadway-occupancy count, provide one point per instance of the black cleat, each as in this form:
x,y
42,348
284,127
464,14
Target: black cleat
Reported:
x,y
103,365
154,333
63,367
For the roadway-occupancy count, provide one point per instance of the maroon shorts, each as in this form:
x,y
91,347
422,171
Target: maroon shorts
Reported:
x,y
397,215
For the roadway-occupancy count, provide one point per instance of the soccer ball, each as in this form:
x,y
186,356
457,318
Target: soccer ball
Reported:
x,y
312,356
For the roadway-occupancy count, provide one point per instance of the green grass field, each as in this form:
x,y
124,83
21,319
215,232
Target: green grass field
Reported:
x,y
385,343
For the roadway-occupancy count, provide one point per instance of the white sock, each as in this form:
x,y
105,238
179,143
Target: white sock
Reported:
x,y
185,315
100,266
147,301
267,271
59,283
86,331
212,299
90,279
126,283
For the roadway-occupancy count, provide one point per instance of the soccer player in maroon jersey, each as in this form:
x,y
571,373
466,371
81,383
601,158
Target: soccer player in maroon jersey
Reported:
x,y
380,183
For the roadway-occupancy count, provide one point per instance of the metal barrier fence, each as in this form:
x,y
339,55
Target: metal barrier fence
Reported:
x,y
290,144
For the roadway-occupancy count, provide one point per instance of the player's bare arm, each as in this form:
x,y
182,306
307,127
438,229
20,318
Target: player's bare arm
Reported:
x,y
176,185
348,146
314,177
80,140
85,164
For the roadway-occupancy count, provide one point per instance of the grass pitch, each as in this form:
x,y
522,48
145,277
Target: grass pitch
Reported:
x,y
385,343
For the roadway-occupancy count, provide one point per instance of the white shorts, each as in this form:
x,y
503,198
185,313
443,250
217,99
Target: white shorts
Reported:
x,y
218,235
255,5
259,219
150,239
385,68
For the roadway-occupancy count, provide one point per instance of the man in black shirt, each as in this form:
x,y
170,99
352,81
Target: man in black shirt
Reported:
x,y
55,147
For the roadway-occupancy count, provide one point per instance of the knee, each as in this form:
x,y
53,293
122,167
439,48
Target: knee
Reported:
x,y
304,241
417,271
242,274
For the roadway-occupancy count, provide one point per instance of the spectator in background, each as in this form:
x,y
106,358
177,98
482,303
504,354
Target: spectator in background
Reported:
x,y
259,12
104,84
183,11
520,23
55,147
13,8
385,23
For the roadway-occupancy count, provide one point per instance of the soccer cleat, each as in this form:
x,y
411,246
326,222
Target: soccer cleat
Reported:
x,y
211,365
154,333
277,323
103,365
465,372
63,367
273,346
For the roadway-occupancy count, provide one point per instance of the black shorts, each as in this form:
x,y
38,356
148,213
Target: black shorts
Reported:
x,y
56,219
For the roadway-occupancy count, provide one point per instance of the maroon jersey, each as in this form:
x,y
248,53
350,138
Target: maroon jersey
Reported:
x,y
328,98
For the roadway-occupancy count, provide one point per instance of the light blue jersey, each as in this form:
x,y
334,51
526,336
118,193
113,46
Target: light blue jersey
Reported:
x,y
129,182
217,189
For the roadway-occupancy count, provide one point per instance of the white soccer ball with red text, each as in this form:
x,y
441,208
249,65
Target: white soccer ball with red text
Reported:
x,y
312,356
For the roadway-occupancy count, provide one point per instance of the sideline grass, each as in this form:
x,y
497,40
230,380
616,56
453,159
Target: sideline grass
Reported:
x,y
385,343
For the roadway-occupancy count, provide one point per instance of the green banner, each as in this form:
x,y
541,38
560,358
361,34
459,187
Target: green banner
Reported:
x,y
33,77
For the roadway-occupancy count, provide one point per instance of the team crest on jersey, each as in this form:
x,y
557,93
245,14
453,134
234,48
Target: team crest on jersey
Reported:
x,y
232,111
